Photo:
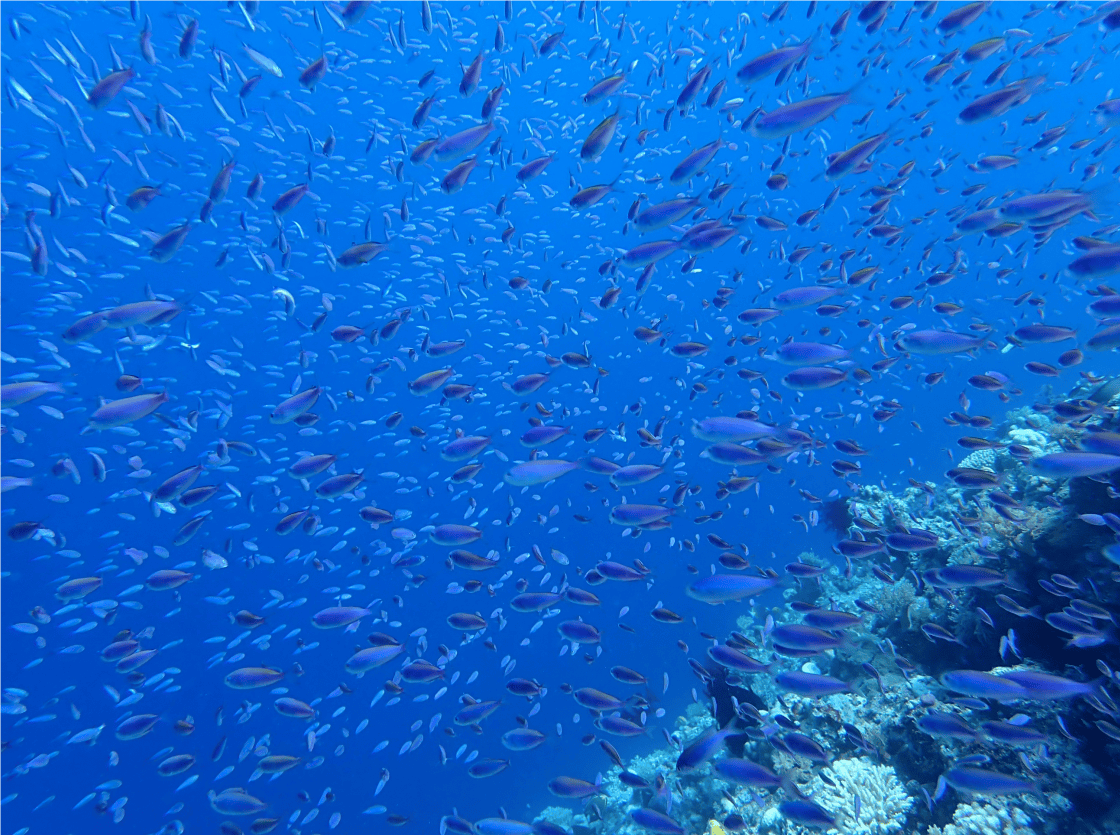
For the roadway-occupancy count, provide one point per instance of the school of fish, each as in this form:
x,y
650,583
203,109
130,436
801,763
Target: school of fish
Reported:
x,y
319,313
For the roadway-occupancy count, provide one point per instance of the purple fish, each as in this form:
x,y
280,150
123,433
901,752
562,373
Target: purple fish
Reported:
x,y
594,699
731,429
457,177
984,782
663,214
105,90
999,102
950,725
543,434
734,455
618,571
1012,734
702,749
639,515
807,813
535,601
748,773
573,787
964,577
814,378
1045,687
455,535
733,659
805,296
960,16
1097,262
801,637
288,200
799,115
126,410
336,616
579,632
650,252
722,588
538,471
914,541
656,822
773,61
811,685
691,165
462,142
1075,464
983,685
936,343
809,353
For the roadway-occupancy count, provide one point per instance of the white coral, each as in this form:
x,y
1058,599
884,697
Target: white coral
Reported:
x,y
883,801
991,817
981,459
558,815
1032,439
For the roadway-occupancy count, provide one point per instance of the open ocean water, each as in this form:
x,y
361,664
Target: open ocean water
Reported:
x,y
541,418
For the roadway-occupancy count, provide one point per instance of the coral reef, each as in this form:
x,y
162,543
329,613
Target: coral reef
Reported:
x,y
866,799
876,761
990,817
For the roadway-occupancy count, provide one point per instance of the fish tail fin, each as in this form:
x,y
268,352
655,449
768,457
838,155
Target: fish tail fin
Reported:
x,y
790,788
1101,696
856,94
940,791
1102,196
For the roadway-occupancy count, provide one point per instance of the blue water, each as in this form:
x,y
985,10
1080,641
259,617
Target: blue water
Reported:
x,y
448,267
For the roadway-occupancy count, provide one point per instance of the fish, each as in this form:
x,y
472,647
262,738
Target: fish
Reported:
x,y
126,410
800,115
263,61
774,340
999,101
658,822
723,588
16,394
462,142
472,74
600,137
695,162
807,813
314,72
165,246
983,685
1075,464
359,254
295,406
984,782
455,179
747,773
109,87
604,89
847,161
774,61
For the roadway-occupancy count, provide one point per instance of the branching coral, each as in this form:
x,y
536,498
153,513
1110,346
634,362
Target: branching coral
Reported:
x,y
893,600
990,817
981,459
867,799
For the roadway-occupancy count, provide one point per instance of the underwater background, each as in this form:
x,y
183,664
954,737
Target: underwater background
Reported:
x,y
508,418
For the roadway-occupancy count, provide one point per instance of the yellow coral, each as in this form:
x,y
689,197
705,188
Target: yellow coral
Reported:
x,y
716,828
